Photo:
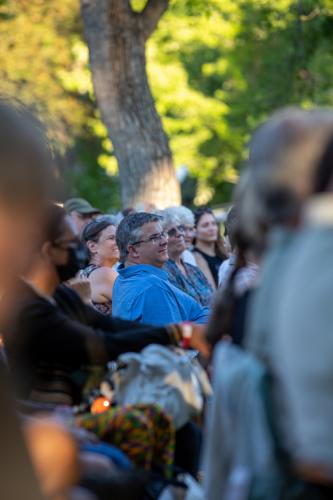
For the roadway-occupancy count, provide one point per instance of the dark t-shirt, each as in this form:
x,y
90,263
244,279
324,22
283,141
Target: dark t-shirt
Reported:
x,y
213,262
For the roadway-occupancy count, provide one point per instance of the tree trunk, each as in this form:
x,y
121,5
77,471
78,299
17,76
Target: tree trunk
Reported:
x,y
116,38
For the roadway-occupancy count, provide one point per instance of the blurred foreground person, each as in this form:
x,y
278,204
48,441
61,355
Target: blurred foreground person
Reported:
x,y
184,276
208,247
142,292
100,238
259,448
25,184
284,153
302,345
54,454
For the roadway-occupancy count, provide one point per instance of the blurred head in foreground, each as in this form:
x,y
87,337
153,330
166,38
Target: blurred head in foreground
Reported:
x,y
279,174
25,184
56,257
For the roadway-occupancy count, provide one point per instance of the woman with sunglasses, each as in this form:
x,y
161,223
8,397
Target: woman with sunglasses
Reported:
x,y
208,249
100,238
190,279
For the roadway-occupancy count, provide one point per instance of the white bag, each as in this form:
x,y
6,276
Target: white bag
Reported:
x,y
160,375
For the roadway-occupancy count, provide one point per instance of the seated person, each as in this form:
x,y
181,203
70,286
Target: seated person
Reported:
x,y
51,334
186,219
208,248
247,276
142,291
81,212
184,276
100,238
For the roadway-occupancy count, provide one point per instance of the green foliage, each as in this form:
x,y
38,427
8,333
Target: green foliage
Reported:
x,y
44,61
217,69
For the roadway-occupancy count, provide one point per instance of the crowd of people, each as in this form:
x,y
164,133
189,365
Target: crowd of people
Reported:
x,y
145,356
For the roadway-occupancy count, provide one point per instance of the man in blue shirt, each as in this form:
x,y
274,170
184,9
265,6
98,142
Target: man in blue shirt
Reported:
x,y
142,291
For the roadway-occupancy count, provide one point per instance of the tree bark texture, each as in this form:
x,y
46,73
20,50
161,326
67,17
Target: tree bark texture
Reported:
x,y
116,38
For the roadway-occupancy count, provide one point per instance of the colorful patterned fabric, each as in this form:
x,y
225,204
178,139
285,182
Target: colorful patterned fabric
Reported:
x,y
194,283
102,307
144,432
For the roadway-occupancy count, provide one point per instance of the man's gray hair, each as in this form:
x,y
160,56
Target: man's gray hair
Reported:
x,y
129,230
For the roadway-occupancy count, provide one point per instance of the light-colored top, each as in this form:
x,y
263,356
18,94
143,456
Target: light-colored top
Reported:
x,y
246,277
302,344
143,293
262,306
189,258
238,449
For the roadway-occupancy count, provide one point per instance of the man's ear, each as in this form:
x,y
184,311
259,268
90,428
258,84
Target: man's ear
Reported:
x,y
91,246
46,251
133,252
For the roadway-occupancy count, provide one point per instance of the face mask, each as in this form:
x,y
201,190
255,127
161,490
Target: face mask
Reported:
x,y
69,270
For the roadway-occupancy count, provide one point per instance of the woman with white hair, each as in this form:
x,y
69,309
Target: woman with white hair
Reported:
x,y
190,279
186,219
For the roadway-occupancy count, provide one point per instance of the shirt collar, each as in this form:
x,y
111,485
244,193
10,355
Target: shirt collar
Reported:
x,y
137,269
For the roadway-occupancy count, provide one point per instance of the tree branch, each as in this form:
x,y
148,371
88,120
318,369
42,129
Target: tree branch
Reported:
x,y
151,15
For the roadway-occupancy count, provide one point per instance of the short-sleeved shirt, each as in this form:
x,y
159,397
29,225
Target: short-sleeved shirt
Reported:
x,y
144,293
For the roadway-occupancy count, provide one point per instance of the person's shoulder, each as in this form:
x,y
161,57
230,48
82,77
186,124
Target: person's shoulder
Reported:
x,y
199,258
154,284
155,290
33,311
226,263
28,298
152,280
169,265
104,274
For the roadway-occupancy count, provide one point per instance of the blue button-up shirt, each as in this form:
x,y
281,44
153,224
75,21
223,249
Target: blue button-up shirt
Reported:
x,y
143,293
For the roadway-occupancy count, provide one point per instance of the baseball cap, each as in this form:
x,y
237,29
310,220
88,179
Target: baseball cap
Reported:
x,y
80,205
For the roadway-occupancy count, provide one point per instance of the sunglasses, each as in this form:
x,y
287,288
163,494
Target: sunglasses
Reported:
x,y
176,230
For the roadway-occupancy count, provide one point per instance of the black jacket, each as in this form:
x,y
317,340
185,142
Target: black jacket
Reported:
x,y
67,335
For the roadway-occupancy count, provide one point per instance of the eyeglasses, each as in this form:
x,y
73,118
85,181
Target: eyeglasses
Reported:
x,y
176,230
154,238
